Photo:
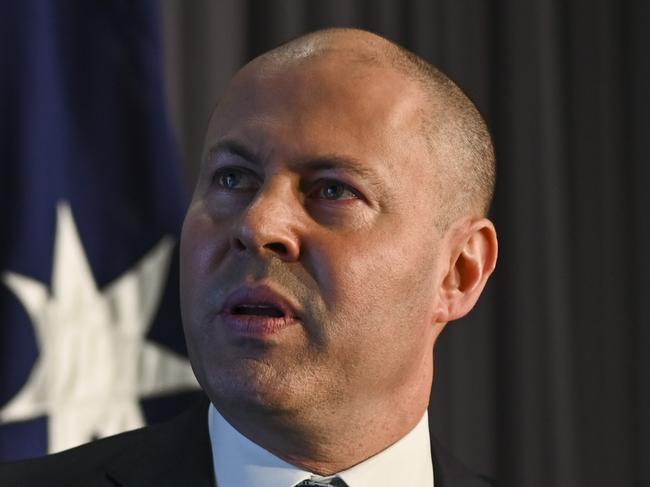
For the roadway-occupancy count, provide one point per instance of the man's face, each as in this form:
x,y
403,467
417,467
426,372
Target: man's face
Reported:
x,y
309,256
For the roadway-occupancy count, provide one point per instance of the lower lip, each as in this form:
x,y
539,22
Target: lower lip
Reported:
x,y
255,326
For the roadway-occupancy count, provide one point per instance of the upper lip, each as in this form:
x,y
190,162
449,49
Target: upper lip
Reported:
x,y
261,295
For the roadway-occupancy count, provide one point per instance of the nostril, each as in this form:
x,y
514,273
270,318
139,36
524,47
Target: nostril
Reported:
x,y
277,247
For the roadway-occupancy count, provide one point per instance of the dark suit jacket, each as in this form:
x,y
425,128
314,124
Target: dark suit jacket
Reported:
x,y
176,453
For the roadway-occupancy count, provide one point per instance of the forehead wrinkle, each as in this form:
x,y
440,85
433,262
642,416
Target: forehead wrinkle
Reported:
x,y
384,113
309,82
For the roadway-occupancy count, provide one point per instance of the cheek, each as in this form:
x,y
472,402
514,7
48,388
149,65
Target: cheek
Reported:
x,y
369,276
201,248
379,296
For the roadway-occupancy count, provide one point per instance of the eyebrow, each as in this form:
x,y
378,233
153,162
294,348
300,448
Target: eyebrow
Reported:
x,y
322,162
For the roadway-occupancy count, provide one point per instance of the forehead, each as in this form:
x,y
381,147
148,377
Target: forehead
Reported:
x,y
325,104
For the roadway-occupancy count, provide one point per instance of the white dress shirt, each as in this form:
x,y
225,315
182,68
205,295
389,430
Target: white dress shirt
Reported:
x,y
238,462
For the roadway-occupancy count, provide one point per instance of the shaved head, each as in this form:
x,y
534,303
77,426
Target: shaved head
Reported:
x,y
454,131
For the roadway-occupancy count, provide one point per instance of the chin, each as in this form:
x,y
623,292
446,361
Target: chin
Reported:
x,y
254,389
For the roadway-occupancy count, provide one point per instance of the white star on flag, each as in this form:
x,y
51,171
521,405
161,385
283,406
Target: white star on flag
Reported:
x,y
94,361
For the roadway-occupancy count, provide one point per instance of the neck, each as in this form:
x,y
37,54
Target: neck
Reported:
x,y
327,442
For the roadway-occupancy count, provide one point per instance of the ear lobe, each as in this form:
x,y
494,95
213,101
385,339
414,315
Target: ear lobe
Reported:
x,y
472,264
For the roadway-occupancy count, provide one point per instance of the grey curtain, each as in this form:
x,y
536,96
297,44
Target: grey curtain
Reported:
x,y
546,382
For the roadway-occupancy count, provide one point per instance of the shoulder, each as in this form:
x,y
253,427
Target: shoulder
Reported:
x,y
451,472
77,466
91,464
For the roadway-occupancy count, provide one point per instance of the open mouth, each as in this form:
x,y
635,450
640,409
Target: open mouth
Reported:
x,y
256,313
257,310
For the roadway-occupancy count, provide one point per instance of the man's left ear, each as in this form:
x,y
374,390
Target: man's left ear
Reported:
x,y
473,258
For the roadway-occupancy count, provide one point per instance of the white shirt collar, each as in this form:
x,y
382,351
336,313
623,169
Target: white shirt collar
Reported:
x,y
238,462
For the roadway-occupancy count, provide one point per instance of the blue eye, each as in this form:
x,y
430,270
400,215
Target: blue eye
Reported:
x,y
335,190
235,180
229,180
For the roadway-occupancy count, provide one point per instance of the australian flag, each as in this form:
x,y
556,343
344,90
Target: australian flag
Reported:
x,y
91,203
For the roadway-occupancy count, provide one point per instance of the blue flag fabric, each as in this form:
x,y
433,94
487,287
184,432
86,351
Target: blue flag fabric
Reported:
x,y
91,203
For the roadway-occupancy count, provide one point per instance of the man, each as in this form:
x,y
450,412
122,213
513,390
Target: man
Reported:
x,y
337,225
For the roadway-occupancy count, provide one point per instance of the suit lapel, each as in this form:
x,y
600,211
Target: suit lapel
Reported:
x,y
174,453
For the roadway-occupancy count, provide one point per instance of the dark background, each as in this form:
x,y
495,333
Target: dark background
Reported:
x,y
546,382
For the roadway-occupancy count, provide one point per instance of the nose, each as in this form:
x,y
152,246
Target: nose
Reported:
x,y
269,225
